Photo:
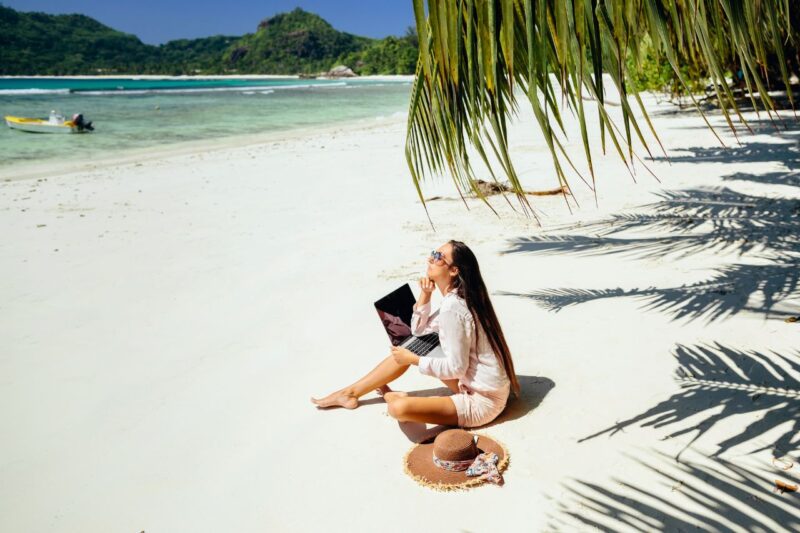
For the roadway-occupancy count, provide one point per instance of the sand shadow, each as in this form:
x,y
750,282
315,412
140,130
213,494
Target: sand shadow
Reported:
x,y
699,494
731,290
718,382
685,223
533,390
789,179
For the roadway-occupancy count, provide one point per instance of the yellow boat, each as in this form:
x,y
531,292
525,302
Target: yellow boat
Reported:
x,y
54,124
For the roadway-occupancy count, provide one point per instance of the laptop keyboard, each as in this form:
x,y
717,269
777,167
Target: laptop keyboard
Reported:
x,y
423,345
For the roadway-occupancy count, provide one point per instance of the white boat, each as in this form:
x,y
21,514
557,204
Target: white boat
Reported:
x,y
55,123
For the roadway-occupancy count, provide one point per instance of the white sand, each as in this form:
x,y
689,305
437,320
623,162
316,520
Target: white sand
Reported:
x,y
164,323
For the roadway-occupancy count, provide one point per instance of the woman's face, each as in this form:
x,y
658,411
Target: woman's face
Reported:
x,y
438,269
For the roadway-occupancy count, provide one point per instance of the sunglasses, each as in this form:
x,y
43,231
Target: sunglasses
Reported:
x,y
438,258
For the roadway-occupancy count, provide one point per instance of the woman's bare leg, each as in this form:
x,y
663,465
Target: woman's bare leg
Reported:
x,y
384,390
431,410
386,372
389,395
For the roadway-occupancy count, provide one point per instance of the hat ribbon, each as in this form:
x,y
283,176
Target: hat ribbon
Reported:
x,y
485,464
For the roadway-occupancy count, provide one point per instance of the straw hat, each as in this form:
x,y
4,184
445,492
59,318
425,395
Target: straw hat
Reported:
x,y
444,463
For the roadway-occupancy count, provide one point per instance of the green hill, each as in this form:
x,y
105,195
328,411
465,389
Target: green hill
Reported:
x,y
288,43
292,42
36,43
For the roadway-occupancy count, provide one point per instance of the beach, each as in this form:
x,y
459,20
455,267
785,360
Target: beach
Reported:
x,y
165,319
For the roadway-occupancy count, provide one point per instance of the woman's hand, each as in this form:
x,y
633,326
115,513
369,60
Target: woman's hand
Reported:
x,y
426,285
404,357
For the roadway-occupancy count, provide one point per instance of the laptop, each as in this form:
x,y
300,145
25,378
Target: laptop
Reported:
x,y
395,311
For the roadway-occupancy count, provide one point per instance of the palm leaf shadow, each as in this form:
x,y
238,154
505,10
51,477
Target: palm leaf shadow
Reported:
x,y
751,152
729,291
714,495
718,382
791,179
690,222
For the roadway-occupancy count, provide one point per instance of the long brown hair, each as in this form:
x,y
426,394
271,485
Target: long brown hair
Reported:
x,y
469,285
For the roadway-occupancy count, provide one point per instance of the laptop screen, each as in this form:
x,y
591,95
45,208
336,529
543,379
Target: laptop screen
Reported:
x,y
395,311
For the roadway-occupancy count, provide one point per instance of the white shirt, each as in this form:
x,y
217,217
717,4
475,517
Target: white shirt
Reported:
x,y
467,357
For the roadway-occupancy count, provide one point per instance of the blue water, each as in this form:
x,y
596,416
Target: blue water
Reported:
x,y
130,113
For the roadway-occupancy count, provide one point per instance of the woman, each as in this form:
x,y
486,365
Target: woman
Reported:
x,y
476,366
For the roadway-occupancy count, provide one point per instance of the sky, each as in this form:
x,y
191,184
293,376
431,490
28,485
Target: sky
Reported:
x,y
158,21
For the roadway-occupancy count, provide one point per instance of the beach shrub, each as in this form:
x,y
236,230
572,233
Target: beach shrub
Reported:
x,y
650,71
392,55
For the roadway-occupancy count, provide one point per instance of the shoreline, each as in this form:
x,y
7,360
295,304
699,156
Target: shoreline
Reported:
x,y
26,170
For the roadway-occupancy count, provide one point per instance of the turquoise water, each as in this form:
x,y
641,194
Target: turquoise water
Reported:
x,y
131,114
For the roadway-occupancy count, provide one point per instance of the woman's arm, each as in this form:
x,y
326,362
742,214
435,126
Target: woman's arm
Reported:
x,y
456,332
420,320
422,309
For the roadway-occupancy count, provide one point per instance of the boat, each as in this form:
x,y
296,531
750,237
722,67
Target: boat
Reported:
x,y
55,123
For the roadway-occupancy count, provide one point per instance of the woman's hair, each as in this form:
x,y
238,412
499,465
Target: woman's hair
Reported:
x,y
469,286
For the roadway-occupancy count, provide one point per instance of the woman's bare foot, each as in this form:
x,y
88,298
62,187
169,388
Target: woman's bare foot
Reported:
x,y
341,398
329,397
393,395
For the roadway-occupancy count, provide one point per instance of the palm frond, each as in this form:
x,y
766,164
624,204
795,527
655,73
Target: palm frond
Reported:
x,y
478,56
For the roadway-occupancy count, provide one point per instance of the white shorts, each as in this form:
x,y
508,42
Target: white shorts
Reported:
x,y
479,408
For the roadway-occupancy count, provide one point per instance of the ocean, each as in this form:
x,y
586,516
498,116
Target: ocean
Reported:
x,y
136,113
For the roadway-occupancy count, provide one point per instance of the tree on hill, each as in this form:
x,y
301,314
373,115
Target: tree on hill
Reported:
x,y
392,55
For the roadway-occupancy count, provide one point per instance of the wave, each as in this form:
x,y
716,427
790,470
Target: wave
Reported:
x,y
33,91
246,89
328,85
195,90
396,114
176,90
